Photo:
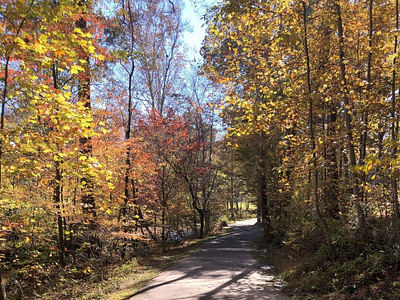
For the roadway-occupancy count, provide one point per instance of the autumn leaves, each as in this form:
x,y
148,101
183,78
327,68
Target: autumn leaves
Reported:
x,y
317,75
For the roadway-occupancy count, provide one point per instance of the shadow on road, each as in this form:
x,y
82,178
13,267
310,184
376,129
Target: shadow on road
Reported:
x,y
226,284
192,273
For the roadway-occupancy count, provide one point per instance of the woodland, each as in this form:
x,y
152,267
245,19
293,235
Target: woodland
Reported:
x,y
117,145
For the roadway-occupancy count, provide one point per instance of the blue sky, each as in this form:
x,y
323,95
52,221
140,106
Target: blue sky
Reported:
x,y
193,15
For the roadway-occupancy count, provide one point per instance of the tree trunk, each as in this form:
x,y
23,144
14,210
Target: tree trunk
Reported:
x,y
194,224
3,295
311,122
4,98
207,222
348,121
2,117
163,225
57,195
364,135
57,202
232,210
129,122
87,198
395,196
128,148
265,218
333,169
263,196
201,215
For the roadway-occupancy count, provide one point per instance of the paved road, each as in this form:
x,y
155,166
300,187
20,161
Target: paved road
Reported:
x,y
223,268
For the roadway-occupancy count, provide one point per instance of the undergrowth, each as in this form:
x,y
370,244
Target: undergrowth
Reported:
x,y
96,278
356,266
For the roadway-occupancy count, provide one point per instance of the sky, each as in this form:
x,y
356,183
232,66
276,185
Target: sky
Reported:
x,y
193,15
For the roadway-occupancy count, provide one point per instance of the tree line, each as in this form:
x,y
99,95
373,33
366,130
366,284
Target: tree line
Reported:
x,y
312,103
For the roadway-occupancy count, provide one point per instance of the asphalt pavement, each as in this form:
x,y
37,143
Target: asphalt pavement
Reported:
x,y
223,268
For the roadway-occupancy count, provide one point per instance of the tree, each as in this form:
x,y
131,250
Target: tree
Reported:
x,y
394,124
154,37
88,201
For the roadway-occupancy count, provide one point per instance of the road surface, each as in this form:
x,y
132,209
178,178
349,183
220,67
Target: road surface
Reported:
x,y
224,268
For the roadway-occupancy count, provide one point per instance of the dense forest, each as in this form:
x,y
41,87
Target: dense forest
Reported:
x,y
115,142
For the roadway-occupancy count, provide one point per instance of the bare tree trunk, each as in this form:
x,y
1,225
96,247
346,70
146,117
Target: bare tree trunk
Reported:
x,y
57,202
201,215
128,149
194,224
163,225
129,122
331,194
4,97
333,168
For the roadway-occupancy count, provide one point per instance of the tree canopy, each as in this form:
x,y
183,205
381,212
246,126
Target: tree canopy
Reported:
x,y
113,141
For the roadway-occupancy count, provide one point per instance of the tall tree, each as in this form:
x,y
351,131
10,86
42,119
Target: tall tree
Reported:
x,y
158,44
394,123
129,19
88,200
312,121
348,119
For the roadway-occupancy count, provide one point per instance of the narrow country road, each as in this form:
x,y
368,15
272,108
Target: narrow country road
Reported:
x,y
223,268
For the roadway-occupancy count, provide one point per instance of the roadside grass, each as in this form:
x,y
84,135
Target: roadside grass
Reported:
x,y
275,256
